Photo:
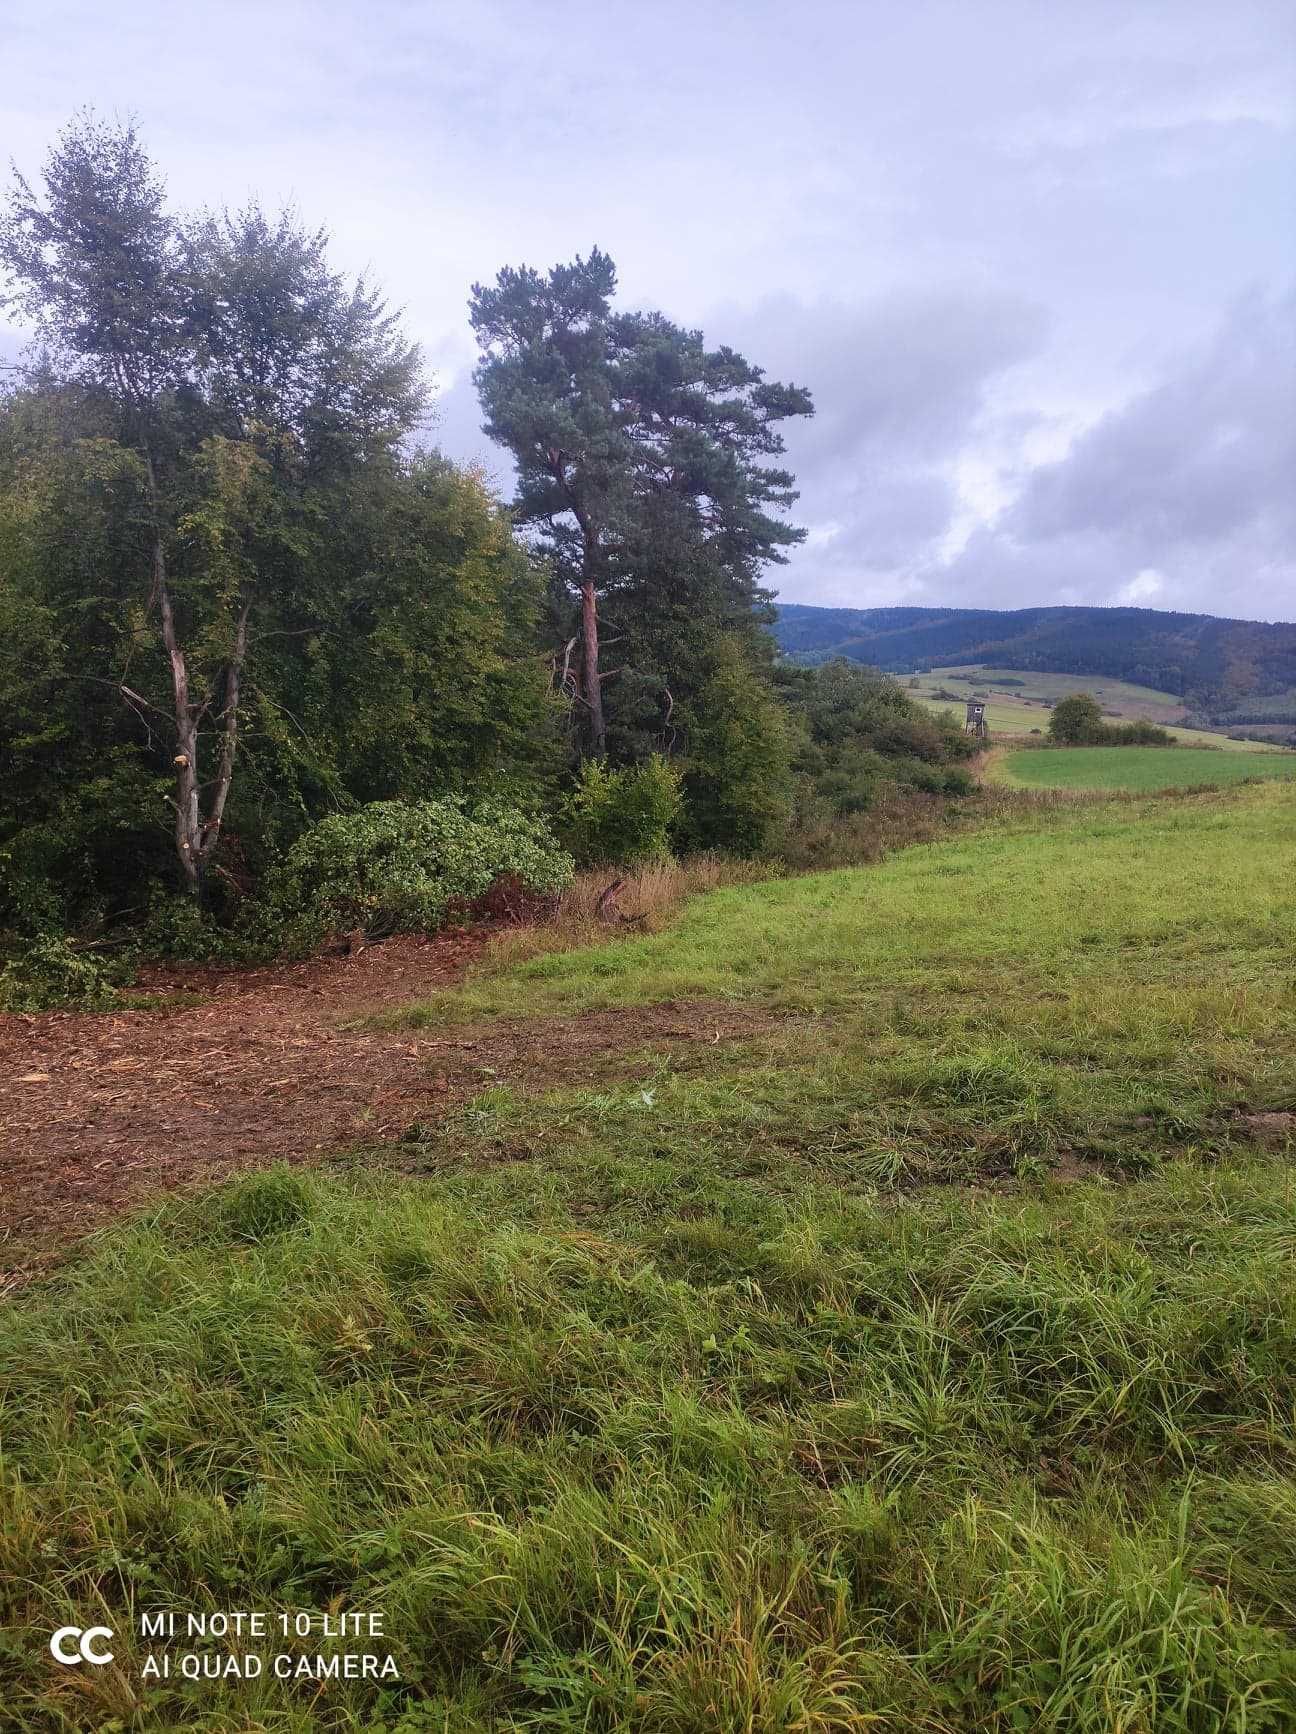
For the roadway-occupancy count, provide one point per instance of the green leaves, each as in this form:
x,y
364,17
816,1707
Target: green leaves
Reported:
x,y
624,816
400,865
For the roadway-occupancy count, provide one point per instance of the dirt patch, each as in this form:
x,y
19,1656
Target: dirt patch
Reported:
x,y
98,1111
1273,1131
1070,1165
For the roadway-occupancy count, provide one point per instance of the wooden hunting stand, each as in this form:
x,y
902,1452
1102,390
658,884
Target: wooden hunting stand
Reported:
x,y
976,722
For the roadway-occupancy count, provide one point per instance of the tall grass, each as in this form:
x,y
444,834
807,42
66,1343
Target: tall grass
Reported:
x,y
650,895
970,1464
653,894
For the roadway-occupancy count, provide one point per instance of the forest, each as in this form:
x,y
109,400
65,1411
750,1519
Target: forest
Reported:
x,y
271,666
1222,669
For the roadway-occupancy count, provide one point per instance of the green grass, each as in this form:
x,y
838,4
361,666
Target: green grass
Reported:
x,y
1137,768
786,1385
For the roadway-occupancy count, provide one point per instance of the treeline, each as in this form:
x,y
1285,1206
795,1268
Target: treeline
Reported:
x,y
1211,663
255,635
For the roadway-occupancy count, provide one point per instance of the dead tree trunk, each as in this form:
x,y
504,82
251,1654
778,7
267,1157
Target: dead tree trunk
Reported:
x,y
606,907
591,685
196,837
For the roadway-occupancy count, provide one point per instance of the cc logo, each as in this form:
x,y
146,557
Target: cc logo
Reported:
x,y
77,1644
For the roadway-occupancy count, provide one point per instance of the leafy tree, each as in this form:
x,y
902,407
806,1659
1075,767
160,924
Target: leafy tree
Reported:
x,y
624,816
237,373
644,469
862,730
1075,720
738,770
236,561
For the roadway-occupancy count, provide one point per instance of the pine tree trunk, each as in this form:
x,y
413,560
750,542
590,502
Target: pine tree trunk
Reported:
x,y
590,681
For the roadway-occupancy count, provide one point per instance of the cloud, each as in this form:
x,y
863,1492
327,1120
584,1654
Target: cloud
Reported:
x,y
917,485
1184,494
995,240
1204,454
901,383
1142,590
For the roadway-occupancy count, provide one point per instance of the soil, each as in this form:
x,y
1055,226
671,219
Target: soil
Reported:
x,y
99,1111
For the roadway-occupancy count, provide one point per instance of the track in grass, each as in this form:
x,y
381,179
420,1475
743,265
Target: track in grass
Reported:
x,y
694,1396
1137,768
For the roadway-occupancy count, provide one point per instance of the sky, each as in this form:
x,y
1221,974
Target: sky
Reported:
x,y
1036,259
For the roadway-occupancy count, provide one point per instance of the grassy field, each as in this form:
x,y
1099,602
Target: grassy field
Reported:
x,y
1024,702
923,1361
1135,768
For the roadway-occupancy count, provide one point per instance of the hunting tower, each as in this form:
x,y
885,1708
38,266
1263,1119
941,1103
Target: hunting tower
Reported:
x,y
976,722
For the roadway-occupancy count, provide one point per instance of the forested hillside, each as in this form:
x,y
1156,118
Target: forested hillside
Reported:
x,y
1213,665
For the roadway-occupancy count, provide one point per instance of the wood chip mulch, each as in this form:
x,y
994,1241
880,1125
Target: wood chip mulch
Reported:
x,y
100,1111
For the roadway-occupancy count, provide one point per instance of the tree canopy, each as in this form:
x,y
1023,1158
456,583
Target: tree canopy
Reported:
x,y
646,476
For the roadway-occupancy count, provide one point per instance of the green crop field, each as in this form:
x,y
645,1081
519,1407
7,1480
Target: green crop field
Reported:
x,y
1137,768
920,1356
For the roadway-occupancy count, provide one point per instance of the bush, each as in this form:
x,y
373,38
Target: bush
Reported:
x,y
1075,720
1134,734
624,816
175,927
49,971
399,866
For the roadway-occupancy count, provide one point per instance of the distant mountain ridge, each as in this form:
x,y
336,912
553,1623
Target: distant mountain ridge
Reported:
x,y
1211,664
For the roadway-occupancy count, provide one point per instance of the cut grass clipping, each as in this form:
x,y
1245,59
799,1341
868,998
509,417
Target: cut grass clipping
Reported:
x,y
691,1395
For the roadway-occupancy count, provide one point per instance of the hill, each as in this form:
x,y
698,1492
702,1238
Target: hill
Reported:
x,y
1213,666
1018,701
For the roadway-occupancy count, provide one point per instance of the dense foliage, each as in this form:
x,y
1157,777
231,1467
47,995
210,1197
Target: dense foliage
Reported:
x,y
625,815
236,599
244,615
397,865
862,731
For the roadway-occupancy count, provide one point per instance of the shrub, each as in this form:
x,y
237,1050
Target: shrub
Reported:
x,y
624,816
175,927
1077,721
399,866
1134,734
49,971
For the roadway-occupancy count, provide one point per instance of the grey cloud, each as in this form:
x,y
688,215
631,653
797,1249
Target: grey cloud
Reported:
x,y
961,226
1182,498
900,387
1206,453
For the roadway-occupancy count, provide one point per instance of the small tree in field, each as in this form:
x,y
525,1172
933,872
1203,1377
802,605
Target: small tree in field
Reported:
x,y
1075,720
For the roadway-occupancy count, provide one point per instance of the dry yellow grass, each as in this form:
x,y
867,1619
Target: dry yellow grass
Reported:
x,y
649,898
